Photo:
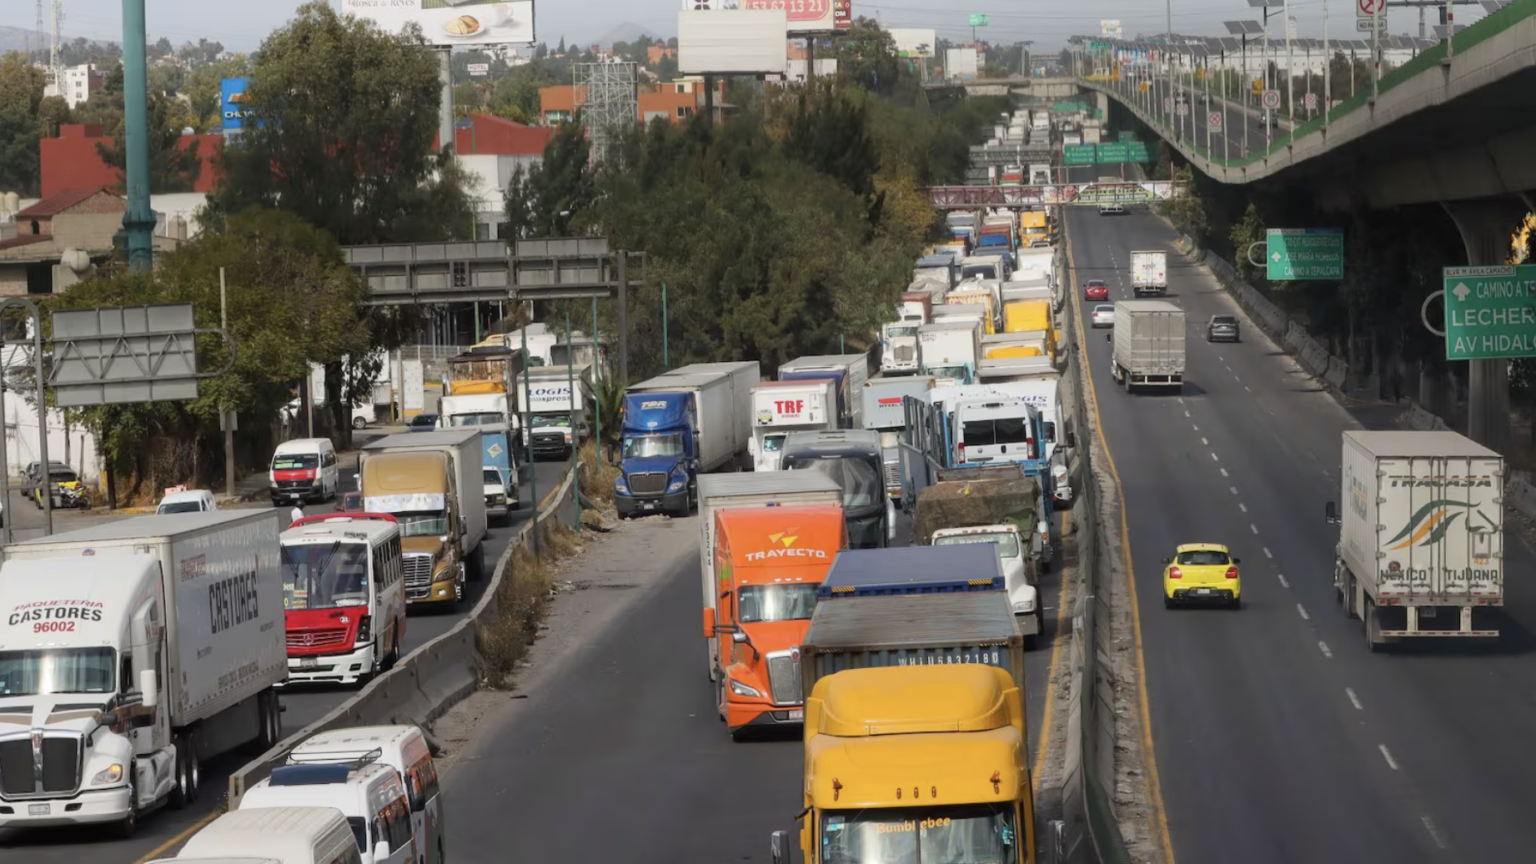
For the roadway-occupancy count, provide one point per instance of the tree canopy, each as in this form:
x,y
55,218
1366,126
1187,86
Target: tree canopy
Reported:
x,y
172,167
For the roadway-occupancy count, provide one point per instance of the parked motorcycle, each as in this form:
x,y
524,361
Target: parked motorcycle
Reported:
x,y
74,497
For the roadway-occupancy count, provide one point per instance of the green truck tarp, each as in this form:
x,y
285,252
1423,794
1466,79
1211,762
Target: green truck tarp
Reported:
x,y
968,497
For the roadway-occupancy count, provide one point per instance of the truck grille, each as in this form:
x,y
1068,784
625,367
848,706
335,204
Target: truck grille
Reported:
x,y
892,475
649,483
905,353
61,767
295,484
549,439
317,639
784,677
417,567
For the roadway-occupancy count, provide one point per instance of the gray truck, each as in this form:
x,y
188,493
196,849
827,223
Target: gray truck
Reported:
x,y
1148,342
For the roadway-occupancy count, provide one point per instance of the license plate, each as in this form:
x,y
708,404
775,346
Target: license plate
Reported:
x,y
308,662
1202,590
37,809
1427,611
649,505
798,714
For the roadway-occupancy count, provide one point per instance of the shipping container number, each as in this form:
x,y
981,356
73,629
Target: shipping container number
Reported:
x,y
54,627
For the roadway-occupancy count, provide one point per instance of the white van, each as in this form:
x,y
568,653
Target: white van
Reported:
x,y
371,797
403,748
290,835
304,469
183,500
343,596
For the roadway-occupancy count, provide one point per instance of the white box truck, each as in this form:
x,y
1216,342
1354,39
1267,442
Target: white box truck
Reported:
x,y
1149,273
769,489
130,652
782,407
550,405
1421,544
850,370
949,350
724,403
1148,344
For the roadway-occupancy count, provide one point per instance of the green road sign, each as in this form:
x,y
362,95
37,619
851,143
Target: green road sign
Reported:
x,y
1127,136
1114,153
1490,312
1138,152
1098,46
1304,253
1078,154
979,19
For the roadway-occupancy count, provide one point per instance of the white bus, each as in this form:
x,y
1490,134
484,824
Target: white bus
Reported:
x,y
343,596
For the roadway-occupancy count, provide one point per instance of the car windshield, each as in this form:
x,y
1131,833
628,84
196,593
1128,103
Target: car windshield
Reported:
x,y
325,575
969,834
562,421
295,461
763,603
57,670
490,475
862,485
1103,310
1224,319
1203,558
479,418
643,446
431,523
1095,283
979,271
180,507
1007,542
424,420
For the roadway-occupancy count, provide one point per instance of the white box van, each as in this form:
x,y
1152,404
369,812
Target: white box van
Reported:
x,y
371,797
290,835
403,748
304,470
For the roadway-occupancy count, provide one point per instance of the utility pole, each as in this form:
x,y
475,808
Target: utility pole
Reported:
x,y
138,219
229,414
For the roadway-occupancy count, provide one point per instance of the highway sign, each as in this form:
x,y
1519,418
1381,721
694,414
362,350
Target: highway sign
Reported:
x,y
1311,101
1127,136
980,19
1167,103
1213,120
1366,25
1271,99
1183,109
1078,154
1490,312
1137,151
1304,253
1114,153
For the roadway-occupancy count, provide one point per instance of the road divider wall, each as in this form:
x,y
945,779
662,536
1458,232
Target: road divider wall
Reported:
x,y
428,681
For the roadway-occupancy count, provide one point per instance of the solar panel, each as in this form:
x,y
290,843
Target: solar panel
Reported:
x,y
1441,28
1494,5
1261,4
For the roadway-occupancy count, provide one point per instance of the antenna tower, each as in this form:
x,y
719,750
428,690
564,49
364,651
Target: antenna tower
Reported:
x,y
35,38
53,45
610,103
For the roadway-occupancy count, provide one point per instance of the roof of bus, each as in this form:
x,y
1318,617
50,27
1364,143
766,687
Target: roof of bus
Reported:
x,y
342,525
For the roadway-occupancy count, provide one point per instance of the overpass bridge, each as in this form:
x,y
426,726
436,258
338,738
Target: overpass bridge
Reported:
x,y
1015,85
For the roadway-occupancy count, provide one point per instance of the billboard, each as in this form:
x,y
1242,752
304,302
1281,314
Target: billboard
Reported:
x,y
452,22
914,43
231,94
1109,28
742,41
804,16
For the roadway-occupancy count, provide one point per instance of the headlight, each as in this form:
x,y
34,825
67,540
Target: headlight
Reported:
x,y
1024,606
620,486
740,689
567,437
108,776
677,485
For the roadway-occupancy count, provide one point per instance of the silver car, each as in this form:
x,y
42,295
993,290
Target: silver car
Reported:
x,y
1103,315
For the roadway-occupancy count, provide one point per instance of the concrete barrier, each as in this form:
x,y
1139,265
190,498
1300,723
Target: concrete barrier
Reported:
x,y
424,683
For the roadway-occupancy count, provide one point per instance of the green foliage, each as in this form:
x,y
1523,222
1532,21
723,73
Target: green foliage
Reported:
x,y
21,95
172,168
1244,234
549,198
1187,212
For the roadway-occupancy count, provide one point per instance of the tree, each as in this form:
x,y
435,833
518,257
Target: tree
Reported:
x,y
866,54
554,195
203,89
172,167
1244,234
340,124
21,95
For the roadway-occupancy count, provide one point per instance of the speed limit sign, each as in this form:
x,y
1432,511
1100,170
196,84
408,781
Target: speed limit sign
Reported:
x,y
1271,99
1213,119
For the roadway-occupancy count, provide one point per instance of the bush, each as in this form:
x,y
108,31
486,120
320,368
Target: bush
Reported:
x,y
503,635
597,476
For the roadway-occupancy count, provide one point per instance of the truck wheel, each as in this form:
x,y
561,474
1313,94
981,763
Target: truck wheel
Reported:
x,y
181,792
1372,627
130,824
270,715
359,423
476,565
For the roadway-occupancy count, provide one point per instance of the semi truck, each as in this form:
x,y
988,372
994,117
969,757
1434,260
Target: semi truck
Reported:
x,y
432,483
1148,342
782,407
1421,544
768,564
555,412
852,457
883,415
850,371
734,491
1149,273
949,350
677,426
134,651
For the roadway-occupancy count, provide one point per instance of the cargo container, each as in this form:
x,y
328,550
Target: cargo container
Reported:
x,y
1148,344
782,407
883,414
1149,273
849,370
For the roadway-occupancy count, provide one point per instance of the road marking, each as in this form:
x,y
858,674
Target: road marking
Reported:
x,y
1229,368
1254,528
1181,400
1434,833
1224,473
1353,699
1148,752
1267,553
179,838
1283,583
1302,611
1387,755
1243,507
1235,378
1205,441
1234,489
1197,428
1246,387
1215,458
1186,413
1322,646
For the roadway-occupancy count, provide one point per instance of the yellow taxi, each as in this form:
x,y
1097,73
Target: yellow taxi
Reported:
x,y
1202,573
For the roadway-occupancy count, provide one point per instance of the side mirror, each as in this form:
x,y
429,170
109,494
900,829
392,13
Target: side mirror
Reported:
x,y
1331,513
739,636
709,623
1071,438
463,527
778,846
1109,337
149,688
1050,431
380,851
1237,560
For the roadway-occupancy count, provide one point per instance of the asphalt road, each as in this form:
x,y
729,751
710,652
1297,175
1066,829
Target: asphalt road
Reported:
x,y
634,736
301,706
1278,737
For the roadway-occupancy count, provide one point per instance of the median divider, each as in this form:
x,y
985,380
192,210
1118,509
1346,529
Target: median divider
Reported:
x,y
427,682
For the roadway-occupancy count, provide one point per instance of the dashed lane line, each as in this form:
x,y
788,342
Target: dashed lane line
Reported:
x,y
1387,755
1283,582
1267,553
1302,611
1327,652
1353,699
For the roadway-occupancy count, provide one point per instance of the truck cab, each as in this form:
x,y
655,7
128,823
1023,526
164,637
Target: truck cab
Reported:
x,y
418,489
768,565
1020,574
659,454
854,459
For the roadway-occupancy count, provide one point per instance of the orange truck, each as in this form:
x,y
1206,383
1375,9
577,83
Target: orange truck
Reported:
x,y
768,564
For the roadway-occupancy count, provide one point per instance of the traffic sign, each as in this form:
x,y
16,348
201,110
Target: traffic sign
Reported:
x,y
1183,109
1137,152
1127,136
979,19
1213,120
1167,103
1114,153
1304,253
1271,99
1370,8
1490,312
1311,101
1366,25
1079,154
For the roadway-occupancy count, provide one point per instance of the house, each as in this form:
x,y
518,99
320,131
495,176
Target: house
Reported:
x,y
71,160
558,104
658,52
491,149
56,242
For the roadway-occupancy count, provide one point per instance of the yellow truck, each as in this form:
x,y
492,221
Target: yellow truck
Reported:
x,y
1033,225
1012,346
967,296
1027,310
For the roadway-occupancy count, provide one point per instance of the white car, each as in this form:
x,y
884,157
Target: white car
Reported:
x,y
1111,210
1103,315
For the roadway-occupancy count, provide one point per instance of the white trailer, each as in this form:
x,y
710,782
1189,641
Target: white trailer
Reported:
x,y
555,410
1421,545
1149,273
884,414
131,652
465,452
949,350
729,491
723,393
782,407
851,370
1148,344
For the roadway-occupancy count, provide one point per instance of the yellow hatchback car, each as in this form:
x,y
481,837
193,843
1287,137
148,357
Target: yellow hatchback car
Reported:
x,y
1202,573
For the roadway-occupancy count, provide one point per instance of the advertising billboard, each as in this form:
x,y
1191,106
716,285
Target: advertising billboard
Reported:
x,y
452,22
742,41
1110,28
804,16
231,94
914,43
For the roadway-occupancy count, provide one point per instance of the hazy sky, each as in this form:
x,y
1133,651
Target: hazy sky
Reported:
x,y
241,26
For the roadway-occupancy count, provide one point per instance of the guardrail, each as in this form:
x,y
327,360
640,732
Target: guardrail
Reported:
x,y
423,684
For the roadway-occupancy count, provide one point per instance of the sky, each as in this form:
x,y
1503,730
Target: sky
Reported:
x,y
241,26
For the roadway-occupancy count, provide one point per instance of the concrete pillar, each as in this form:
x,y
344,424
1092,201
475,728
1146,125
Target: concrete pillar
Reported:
x,y
1485,226
1101,101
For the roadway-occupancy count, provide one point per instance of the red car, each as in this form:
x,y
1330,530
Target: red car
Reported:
x,y
1095,289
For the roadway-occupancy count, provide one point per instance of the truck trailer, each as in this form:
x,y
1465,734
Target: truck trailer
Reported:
x,y
1421,539
850,371
1148,344
883,414
782,407
1149,273
134,651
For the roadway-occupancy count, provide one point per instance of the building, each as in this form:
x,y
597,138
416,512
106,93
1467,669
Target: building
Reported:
x,y
658,52
557,104
71,160
675,100
77,83
491,149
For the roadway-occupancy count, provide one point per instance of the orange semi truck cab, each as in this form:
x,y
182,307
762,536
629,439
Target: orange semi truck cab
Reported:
x,y
768,564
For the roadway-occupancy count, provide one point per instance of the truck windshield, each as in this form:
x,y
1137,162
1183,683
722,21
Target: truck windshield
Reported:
x,y
562,421
58,670
970,834
490,476
766,603
862,484
894,331
643,446
479,418
980,271
958,373
179,507
432,523
1007,543
325,575
774,443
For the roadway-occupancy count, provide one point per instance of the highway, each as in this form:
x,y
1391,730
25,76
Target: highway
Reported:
x,y
1278,737
301,706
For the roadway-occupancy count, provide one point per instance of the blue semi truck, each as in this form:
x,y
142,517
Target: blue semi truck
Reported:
x,y
680,424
